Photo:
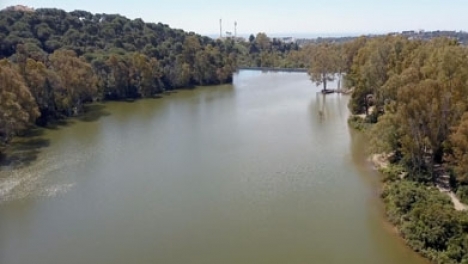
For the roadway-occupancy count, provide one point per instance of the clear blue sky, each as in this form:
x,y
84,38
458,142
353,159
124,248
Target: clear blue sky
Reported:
x,y
281,16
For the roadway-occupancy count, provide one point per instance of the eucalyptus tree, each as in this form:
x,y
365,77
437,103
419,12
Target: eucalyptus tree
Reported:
x,y
18,109
322,63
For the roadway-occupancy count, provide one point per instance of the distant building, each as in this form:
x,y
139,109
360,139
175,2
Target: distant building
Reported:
x,y
408,33
236,39
287,40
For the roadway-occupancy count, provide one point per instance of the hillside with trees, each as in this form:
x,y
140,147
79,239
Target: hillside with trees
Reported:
x,y
52,62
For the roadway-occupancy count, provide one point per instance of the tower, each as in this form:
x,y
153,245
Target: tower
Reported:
x,y
220,28
235,30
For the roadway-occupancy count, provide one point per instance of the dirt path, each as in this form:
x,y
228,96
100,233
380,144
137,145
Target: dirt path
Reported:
x,y
457,204
380,161
443,184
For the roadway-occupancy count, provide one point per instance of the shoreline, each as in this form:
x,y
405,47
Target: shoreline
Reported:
x,y
379,161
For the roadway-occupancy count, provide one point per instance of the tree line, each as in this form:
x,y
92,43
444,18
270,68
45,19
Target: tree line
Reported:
x,y
419,98
262,51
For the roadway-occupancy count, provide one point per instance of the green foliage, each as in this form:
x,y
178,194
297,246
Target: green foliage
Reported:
x,y
324,64
462,193
392,172
459,158
262,51
418,91
92,36
18,109
358,123
427,221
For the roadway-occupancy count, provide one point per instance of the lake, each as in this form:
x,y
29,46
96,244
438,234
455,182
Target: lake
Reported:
x,y
264,170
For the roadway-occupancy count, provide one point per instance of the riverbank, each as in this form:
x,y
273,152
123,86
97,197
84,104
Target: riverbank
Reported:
x,y
19,150
273,69
430,220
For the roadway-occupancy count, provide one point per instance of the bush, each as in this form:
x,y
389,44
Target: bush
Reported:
x,y
462,193
392,172
427,221
358,123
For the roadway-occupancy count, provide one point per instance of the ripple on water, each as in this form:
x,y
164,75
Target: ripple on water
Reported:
x,y
55,190
31,181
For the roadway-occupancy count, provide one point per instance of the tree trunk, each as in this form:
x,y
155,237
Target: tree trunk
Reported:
x,y
324,80
339,81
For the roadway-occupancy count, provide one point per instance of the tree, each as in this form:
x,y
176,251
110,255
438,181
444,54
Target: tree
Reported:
x,y
18,109
118,79
263,41
322,64
339,62
459,142
36,76
78,80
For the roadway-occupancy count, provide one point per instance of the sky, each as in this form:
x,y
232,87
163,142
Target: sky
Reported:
x,y
281,17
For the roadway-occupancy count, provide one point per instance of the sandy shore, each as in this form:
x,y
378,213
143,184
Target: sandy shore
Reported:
x,y
380,161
